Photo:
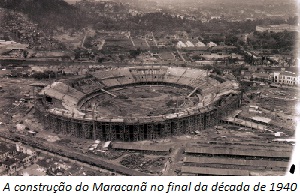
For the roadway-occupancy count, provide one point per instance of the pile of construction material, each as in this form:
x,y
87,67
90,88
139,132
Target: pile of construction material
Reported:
x,y
132,161
142,163
110,155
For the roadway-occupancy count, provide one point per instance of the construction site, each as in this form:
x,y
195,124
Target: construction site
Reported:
x,y
149,120
114,105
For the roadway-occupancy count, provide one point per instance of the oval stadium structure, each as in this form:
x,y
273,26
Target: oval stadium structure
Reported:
x,y
137,103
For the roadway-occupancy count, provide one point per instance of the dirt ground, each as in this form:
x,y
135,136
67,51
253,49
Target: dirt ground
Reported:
x,y
277,104
141,101
13,90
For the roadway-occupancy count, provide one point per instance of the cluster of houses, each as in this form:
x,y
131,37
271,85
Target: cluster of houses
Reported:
x,y
280,76
12,49
110,9
184,44
14,158
50,71
277,28
25,32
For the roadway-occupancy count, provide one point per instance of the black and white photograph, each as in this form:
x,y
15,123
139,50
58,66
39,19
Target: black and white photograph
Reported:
x,y
148,87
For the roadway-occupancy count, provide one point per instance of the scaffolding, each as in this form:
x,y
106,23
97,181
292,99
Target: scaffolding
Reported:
x,y
93,128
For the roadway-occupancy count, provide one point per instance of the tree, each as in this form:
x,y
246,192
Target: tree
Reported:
x,y
135,53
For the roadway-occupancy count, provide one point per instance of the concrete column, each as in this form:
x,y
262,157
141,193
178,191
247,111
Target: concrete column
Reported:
x,y
113,135
80,131
64,126
167,127
150,131
175,127
107,132
73,127
190,122
52,122
181,129
136,133
122,130
126,133
99,131
141,132
68,126
58,125
156,131
87,131
201,121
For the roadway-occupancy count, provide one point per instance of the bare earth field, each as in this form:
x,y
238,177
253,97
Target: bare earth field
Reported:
x,y
141,101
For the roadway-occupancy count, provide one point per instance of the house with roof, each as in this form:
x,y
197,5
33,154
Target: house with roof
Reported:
x,y
4,151
17,46
25,159
16,157
147,149
211,44
263,77
167,56
21,148
285,78
180,44
203,49
189,44
222,50
199,44
245,74
9,165
277,28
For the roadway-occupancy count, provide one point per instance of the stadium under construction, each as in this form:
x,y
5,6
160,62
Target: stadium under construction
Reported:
x,y
77,108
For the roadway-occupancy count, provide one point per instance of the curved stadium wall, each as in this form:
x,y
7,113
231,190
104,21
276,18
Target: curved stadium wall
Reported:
x,y
58,106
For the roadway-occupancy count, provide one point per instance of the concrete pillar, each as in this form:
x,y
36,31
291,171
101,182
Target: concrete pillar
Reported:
x,y
58,125
141,132
126,133
136,133
156,131
73,128
181,129
80,131
201,121
168,128
64,126
99,131
113,134
150,131
107,132
68,126
175,127
122,130
87,131
52,122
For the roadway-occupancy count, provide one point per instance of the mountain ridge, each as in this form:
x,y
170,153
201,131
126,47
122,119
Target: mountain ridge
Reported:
x,y
47,13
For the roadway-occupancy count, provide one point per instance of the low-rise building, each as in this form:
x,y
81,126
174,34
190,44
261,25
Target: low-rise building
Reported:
x,y
224,50
263,77
15,158
25,159
286,78
9,165
4,151
25,149
277,28
211,44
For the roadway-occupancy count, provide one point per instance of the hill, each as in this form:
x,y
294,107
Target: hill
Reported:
x,y
47,13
